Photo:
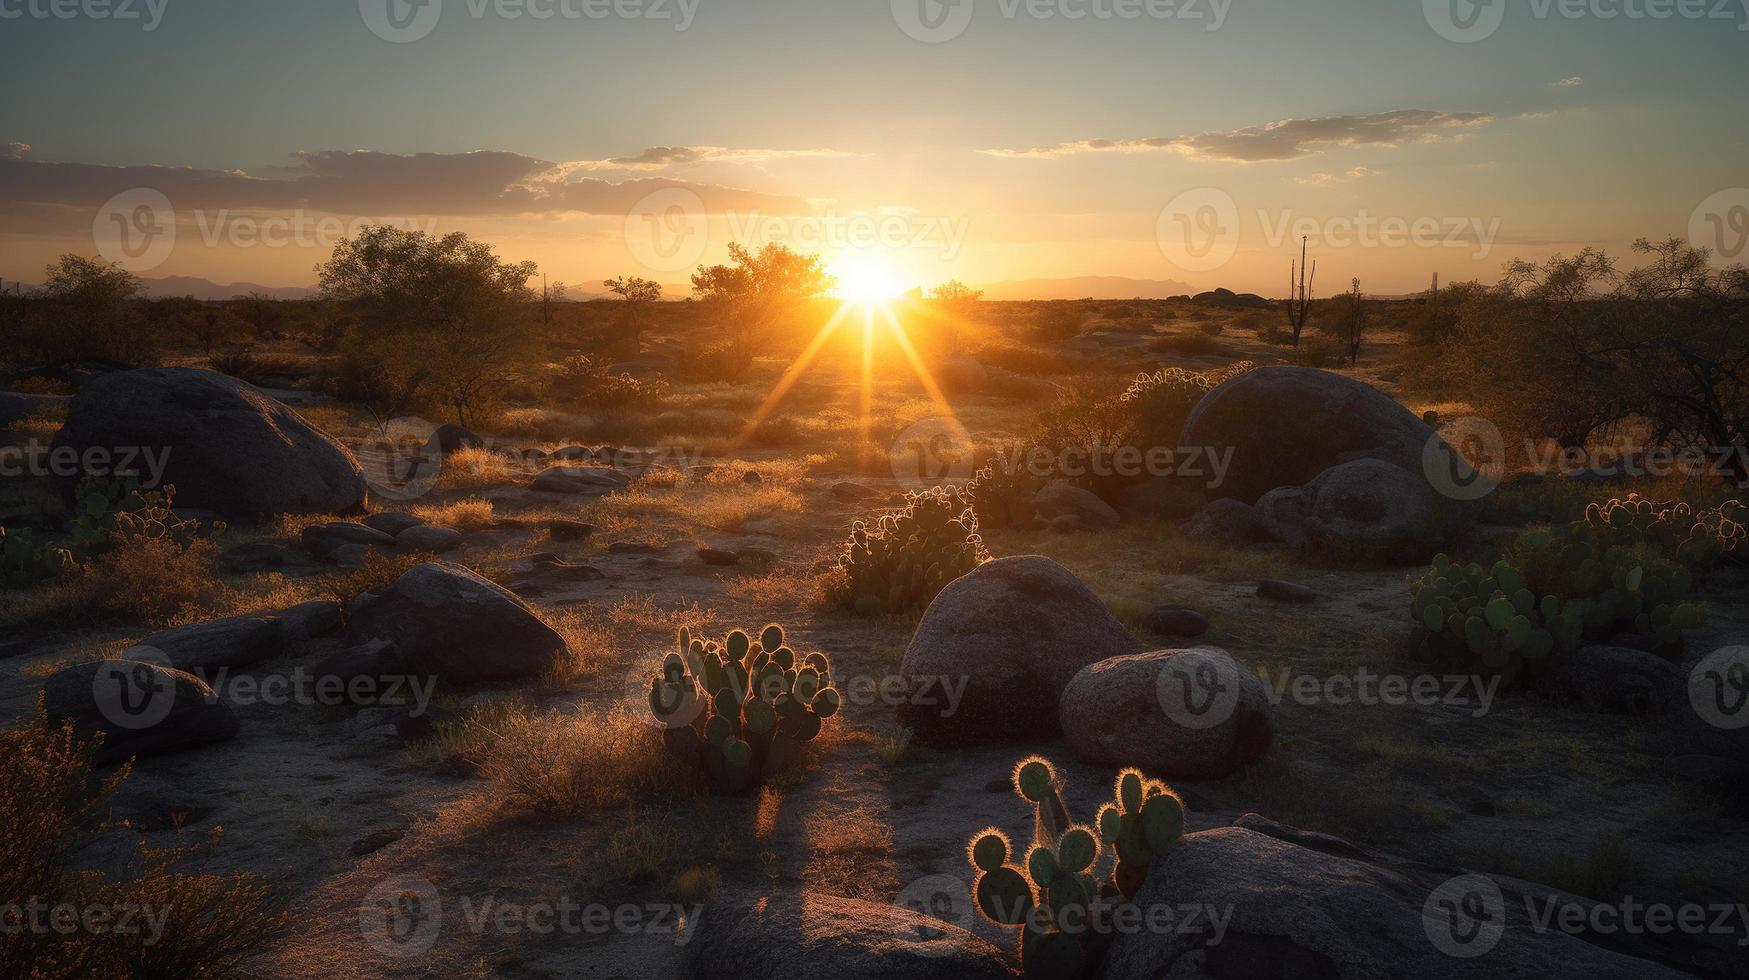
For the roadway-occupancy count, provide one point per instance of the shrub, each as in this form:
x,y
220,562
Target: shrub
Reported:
x,y
1051,893
26,562
726,361
740,711
51,804
582,383
472,514
1158,403
1059,321
908,556
1188,344
255,368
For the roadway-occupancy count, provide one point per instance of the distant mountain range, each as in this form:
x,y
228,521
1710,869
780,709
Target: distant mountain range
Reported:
x,y
1086,287
206,289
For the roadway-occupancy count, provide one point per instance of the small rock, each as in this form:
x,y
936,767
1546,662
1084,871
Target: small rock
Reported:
x,y
633,548
350,556
717,556
756,556
1619,680
220,644
1177,621
752,477
1067,524
141,708
323,540
563,530
309,620
1285,591
375,841
856,493
429,538
453,438
580,480
421,726
555,568
391,523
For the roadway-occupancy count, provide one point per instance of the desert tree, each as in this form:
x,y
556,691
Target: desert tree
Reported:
x,y
756,289
90,311
637,294
442,314
264,314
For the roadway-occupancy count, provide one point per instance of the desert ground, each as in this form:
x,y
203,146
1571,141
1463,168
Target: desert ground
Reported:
x,y
529,790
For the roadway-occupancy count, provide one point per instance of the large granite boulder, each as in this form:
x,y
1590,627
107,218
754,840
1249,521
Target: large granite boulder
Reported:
x,y
140,707
996,649
232,449
1184,714
1286,903
1287,424
1365,511
447,622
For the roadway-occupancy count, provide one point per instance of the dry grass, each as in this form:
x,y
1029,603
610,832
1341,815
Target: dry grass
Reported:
x,y
154,581
478,469
568,764
472,514
50,806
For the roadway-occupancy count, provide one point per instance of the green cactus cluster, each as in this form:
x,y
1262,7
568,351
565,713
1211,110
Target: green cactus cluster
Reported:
x,y
740,710
1050,892
900,564
26,562
105,510
1697,537
1621,569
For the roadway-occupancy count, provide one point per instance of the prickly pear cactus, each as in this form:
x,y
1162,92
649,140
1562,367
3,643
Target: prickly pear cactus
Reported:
x,y
1002,492
1626,567
900,564
1048,891
26,562
741,709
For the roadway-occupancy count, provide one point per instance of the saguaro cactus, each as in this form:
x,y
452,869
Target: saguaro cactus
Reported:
x,y
1299,285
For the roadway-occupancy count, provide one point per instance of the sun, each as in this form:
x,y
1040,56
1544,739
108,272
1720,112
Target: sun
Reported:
x,y
866,280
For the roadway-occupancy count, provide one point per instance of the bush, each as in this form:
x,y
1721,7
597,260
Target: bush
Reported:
x,y
1002,491
1188,344
582,383
1156,405
1059,321
51,804
726,361
741,711
906,559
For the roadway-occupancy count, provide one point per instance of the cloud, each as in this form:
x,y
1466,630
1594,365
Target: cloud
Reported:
x,y
1572,81
1285,139
664,157
367,183
15,151
1327,180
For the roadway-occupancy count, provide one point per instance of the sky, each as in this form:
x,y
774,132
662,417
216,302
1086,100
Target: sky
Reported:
x,y
910,141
